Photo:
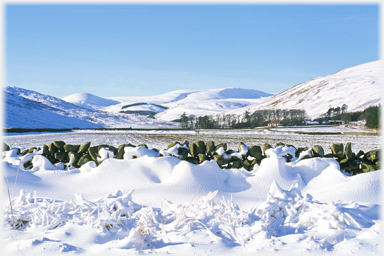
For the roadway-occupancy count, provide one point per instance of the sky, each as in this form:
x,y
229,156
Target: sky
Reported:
x,y
113,50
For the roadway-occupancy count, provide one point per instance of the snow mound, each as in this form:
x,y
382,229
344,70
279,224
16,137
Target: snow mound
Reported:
x,y
136,152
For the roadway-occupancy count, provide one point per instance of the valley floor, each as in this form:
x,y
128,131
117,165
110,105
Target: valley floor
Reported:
x,y
160,139
345,129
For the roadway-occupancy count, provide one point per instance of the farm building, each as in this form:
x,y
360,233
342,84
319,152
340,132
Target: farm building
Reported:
x,y
274,124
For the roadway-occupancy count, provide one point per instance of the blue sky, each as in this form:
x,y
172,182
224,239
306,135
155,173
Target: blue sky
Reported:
x,y
139,50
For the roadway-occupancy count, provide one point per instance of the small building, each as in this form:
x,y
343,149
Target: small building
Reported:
x,y
336,122
311,122
274,124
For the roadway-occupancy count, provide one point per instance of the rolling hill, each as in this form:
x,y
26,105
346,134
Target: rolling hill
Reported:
x,y
359,87
200,102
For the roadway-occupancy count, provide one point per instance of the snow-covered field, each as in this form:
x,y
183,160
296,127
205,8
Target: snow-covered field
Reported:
x,y
168,206
352,127
160,139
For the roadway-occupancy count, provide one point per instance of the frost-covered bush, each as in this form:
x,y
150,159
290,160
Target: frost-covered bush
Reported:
x,y
288,209
105,213
283,212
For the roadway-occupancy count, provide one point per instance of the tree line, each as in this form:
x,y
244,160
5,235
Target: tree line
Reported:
x,y
284,116
247,120
370,114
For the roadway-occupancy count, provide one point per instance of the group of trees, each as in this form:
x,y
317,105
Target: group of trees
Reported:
x,y
247,120
373,117
333,112
338,113
370,114
283,116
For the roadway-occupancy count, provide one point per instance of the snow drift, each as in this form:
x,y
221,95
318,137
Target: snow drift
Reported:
x,y
165,205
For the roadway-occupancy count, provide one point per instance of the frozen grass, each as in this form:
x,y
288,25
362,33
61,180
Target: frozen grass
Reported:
x,y
147,229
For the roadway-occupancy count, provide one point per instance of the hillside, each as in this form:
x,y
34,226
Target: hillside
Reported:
x,y
142,108
30,109
201,108
24,112
88,100
168,97
358,87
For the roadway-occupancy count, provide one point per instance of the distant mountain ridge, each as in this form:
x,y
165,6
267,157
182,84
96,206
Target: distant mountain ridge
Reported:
x,y
358,87
192,102
193,95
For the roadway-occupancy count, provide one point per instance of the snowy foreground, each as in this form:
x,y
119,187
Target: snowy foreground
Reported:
x,y
165,205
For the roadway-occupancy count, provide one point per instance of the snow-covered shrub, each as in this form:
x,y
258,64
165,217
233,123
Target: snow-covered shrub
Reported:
x,y
105,213
283,212
284,209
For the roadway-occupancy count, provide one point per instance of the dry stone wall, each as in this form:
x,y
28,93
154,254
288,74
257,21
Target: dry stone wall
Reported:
x,y
196,153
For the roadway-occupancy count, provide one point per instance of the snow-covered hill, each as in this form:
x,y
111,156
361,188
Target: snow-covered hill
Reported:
x,y
201,108
198,103
359,87
27,109
212,102
142,108
169,97
88,100
30,109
